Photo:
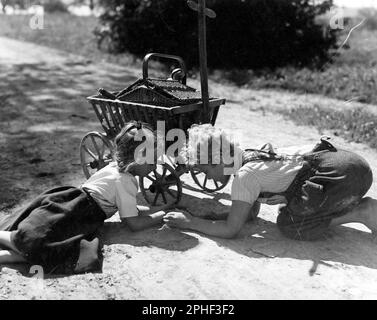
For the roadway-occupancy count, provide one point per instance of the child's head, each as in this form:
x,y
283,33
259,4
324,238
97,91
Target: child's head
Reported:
x,y
210,149
135,148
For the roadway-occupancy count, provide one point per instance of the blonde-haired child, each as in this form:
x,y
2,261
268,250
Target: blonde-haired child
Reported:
x,y
57,230
317,187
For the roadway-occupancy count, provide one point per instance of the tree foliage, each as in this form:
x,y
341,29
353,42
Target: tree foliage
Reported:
x,y
245,34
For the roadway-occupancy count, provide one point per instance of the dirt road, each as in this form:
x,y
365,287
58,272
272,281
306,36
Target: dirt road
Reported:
x,y
43,117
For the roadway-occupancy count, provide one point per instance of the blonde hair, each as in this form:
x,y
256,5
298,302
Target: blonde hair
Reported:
x,y
208,143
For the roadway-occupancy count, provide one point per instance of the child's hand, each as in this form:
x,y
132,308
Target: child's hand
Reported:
x,y
178,219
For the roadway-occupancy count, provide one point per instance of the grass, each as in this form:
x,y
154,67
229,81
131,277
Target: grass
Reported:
x,y
61,31
355,125
352,76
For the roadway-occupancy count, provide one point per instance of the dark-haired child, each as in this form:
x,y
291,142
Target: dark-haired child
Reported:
x,y
57,229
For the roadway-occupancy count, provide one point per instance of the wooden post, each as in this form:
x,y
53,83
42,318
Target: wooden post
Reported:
x,y
203,12
203,60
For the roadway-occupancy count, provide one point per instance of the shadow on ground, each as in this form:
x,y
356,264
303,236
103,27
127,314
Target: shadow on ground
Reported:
x,y
163,238
117,233
339,248
262,239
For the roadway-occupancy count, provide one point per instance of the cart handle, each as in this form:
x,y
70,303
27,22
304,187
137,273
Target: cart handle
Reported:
x,y
164,56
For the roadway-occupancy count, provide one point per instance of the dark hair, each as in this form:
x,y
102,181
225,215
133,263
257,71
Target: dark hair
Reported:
x,y
125,143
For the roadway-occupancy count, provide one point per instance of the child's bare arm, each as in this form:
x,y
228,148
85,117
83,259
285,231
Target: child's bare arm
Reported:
x,y
148,217
145,211
224,228
143,222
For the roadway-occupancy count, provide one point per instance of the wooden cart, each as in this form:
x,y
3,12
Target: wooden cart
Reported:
x,y
150,100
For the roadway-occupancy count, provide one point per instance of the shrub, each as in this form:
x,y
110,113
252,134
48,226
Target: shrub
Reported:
x,y
245,34
51,6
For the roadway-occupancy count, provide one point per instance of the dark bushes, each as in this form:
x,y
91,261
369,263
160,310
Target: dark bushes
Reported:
x,y
52,6
245,34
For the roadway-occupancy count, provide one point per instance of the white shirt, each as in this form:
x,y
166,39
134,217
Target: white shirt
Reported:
x,y
268,176
113,191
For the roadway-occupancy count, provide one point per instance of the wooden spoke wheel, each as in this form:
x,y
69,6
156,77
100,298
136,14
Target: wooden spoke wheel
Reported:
x,y
96,151
209,185
161,186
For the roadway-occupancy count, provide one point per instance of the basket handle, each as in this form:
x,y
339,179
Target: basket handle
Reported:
x,y
164,56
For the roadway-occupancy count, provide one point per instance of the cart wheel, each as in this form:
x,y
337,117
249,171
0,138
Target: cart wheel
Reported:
x,y
205,183
162,186
96,151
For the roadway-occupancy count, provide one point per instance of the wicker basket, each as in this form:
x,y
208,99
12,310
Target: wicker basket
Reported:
x,y
113,114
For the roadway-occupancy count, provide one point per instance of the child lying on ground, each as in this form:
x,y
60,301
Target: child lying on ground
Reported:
x,y
321,187
57,230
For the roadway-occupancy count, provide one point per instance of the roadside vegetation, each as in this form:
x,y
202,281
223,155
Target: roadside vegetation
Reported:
x,y
351,77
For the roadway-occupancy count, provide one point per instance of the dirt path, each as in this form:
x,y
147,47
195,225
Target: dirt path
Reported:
x,y
44,116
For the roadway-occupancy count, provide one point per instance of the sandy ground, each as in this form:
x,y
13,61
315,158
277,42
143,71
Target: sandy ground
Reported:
x,y
43,117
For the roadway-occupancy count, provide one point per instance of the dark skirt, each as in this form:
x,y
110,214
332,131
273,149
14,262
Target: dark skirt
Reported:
x,y
330,184
48,231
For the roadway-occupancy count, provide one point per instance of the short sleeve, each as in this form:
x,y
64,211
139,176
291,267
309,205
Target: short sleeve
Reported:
x,y
125,198
245,187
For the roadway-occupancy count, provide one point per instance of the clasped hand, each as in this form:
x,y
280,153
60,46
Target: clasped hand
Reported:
x,y
178,218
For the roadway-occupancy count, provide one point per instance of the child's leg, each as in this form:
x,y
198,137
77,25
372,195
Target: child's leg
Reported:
x,y
365,213
8,256
6,240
